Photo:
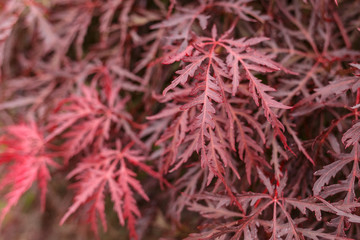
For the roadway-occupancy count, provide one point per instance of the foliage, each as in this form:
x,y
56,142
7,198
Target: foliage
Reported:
x,y
242,115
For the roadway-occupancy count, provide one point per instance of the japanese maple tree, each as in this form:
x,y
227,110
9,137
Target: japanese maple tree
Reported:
x,y
169,119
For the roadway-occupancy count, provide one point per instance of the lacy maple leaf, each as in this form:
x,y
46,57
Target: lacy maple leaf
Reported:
x,y
26,159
